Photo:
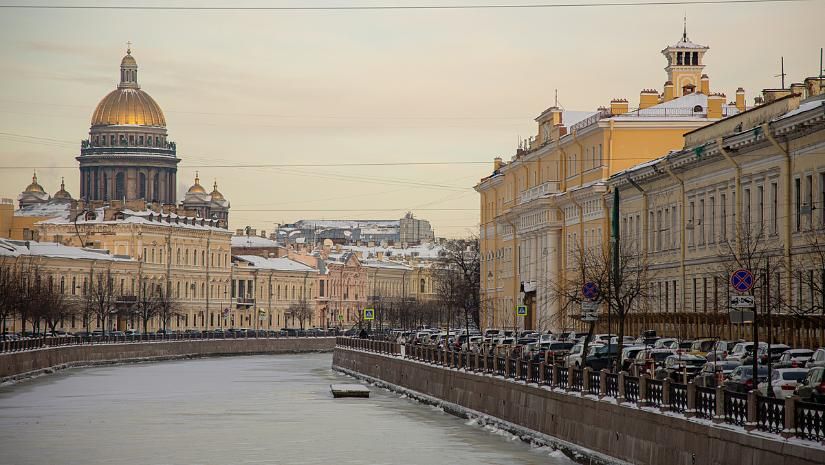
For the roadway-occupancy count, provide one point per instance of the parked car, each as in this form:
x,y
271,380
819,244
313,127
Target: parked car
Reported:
x,y
741,379
720,350
628,355
743,350
713,373
626,340
812,388
702,346
776,351
666,343
648,360
603,338
680,366
817,359
552,352
602,356
574,357
783,382
794,358
648,337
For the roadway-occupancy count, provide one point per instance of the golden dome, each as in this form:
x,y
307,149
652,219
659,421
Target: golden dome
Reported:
x,y
128,59
215,194
128,106
62,194
196,188
34,186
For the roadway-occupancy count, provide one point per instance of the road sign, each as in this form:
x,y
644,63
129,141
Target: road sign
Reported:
x,y
521,310
741,280
590,316
742,301
590,290
741,316
369,313
590,306
590,311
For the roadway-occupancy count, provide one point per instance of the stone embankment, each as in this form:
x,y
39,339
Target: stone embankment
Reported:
x,y
19,365
627,432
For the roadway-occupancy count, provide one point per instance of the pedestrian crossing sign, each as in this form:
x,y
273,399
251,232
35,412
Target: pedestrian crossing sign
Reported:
x,y
521,310
369,313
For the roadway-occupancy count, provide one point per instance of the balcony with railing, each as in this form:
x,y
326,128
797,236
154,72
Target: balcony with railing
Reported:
x,y
547,187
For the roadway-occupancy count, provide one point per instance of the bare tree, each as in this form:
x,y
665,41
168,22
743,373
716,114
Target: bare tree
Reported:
x,y
302,311
102,297
9,287
166,305
623,287
147,306
458,279
55,307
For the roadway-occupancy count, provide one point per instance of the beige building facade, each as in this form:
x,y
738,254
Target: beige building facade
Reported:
x,y
745,192
548,200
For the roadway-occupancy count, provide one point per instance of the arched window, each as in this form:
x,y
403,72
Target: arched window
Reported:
x,y
423,285
178,257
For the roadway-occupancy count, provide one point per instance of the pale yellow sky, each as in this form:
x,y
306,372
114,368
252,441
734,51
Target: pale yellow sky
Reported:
x,y
320,87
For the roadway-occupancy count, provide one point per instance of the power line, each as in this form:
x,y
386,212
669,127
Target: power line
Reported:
x,y
394,7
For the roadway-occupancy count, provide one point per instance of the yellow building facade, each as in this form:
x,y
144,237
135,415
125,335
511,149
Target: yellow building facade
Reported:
x,y
745,192
548,199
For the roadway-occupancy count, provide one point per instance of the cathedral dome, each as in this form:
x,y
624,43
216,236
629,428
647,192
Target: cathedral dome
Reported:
x,y
196,188
128,105
62,194
34,186
216,195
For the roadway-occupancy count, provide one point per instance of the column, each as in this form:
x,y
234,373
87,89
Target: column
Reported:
x,y
553,274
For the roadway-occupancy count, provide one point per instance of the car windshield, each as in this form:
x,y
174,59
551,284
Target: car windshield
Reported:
x,y
660,356
796,375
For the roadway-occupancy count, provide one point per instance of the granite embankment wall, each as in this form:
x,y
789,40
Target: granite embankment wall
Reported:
x,y
628,433
32,362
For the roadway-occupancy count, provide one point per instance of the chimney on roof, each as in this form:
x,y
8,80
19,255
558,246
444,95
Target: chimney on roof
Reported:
x,y
618,106
668,91
799,88
740,99
556,116
263,233
648,98
715,102
497,162
704,84
815,85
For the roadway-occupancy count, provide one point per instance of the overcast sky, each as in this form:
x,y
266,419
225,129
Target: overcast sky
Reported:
x,y
320,87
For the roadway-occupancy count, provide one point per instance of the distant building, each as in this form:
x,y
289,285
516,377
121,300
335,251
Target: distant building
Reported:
x,y
407,230
415,231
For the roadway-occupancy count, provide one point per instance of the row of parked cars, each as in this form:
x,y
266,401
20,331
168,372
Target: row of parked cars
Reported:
x,y
708,362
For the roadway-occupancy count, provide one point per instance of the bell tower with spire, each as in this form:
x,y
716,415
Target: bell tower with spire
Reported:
x,y
685,63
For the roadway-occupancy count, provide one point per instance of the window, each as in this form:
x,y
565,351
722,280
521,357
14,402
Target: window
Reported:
x,y
712,229
774,210
746,214
798,203
691,222
702,222
822,200
723,223
809,198
760,206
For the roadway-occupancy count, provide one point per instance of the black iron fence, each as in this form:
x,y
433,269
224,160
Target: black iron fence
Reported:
x,y
34,343
786,416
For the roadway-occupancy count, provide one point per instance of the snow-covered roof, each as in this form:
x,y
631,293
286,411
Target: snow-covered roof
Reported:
x,y
346,224
10,248
386,264
139,217
423,251
253,241
275,264
805,106
48,209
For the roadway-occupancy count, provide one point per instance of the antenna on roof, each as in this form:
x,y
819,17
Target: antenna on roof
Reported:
x,y
782,74
556,101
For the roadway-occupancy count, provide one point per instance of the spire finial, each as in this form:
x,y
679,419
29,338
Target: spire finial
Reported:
x,y
34,177
215,185
128,47
197,177
684,33
62,183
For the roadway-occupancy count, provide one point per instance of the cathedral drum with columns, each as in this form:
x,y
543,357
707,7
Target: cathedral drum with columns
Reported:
x,y
127,155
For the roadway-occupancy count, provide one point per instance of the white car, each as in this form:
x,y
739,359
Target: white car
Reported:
x,y
574,358
743,350
666,343
783,382
794,358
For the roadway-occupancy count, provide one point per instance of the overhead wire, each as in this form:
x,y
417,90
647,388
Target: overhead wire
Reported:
x,y
500,6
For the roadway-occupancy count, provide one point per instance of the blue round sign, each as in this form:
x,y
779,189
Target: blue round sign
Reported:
x,y
590,290
741,280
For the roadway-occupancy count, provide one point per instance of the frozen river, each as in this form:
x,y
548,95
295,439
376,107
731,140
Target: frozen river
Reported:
x,y
235,410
